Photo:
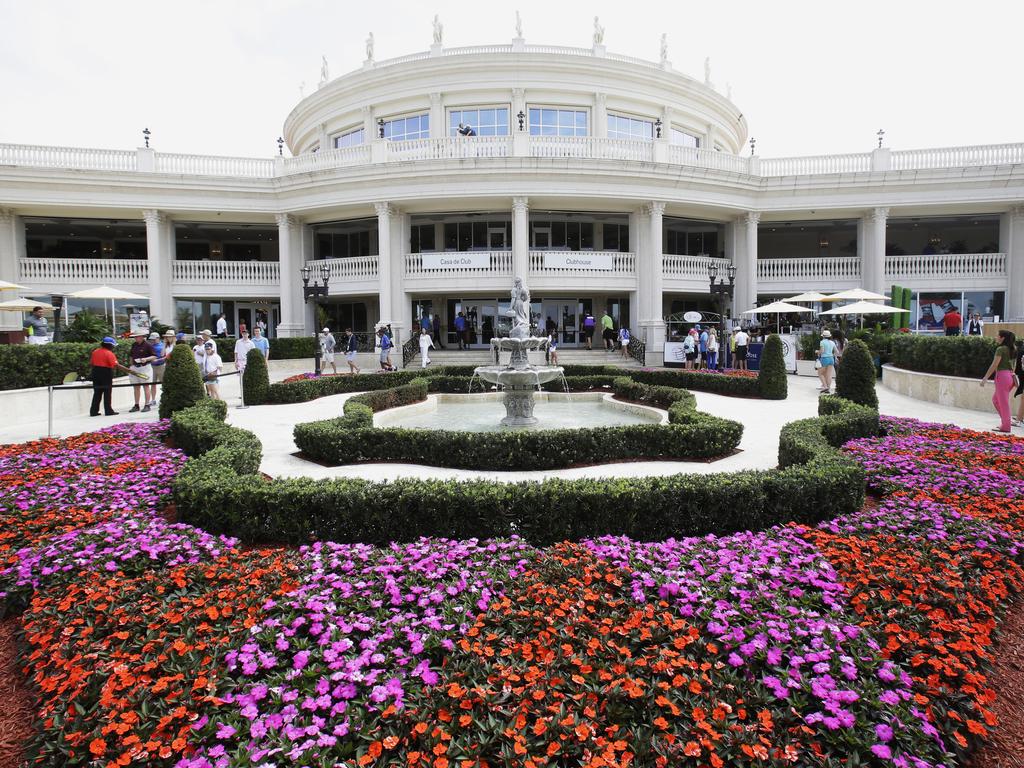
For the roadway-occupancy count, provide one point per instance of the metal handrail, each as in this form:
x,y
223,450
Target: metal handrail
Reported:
x,y
637,350
410,349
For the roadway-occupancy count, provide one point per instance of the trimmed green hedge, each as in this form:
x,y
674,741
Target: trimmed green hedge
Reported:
x,y
968,356
255,378
772,377
41,365
690,435
220,491
855,378
183,383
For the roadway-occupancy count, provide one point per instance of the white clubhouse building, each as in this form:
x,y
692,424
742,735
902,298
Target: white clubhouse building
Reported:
x,y
605,181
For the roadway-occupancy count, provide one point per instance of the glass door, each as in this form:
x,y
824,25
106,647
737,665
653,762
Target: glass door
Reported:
x,y
561,315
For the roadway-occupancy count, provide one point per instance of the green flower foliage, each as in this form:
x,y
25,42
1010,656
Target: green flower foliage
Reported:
x,y
183,385
855,377
771,379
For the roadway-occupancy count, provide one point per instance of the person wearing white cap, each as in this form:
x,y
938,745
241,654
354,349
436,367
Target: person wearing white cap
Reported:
x,y
827,359
199,350
327,345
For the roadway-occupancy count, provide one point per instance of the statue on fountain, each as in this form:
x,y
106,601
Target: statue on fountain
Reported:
x,y
520,311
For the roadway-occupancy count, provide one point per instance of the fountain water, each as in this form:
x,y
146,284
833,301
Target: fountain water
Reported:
x,y
518,379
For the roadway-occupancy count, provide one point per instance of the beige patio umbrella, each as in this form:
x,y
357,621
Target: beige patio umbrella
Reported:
x,y
5,286
24,305
855,294
107,293
863,308
778,308
808,296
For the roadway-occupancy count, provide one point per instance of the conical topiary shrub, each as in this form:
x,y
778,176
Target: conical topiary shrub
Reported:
x,y
771,378
855,375
183,384
255,379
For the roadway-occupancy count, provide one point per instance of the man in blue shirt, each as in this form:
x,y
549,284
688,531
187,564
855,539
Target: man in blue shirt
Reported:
x,y
703,347
385,350
460,330
261,342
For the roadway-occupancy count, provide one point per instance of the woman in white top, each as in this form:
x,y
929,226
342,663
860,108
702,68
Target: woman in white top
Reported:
x,y
827,352
211,369
425,343
712,350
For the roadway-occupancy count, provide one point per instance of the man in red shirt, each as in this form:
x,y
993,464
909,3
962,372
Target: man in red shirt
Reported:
x,y
952,322
103,364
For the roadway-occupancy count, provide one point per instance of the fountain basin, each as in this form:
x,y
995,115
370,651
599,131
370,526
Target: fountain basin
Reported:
x,y
556,410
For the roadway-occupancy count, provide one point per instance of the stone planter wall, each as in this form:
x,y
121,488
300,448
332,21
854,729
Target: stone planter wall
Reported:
x,y
944,390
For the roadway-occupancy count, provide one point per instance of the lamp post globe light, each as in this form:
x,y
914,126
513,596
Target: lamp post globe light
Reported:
x,y
725,291
314,291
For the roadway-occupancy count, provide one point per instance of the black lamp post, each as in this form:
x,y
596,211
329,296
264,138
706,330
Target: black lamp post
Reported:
x,y
145,135
380,128
315,291
520,116
724,290
657,128
280,146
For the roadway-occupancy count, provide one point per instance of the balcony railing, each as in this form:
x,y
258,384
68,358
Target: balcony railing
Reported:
x,y
491,147
227,272
953,266
494,263
351,269
691,267
92,272
815,268
621,263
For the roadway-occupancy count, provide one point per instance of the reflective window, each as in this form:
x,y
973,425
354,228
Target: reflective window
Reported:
x,y
350,139
421,238
684,139
477,235
562,235
557,122
623,127
403,128
483,122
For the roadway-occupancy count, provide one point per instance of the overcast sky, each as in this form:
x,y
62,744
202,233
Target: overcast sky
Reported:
x,y
219,76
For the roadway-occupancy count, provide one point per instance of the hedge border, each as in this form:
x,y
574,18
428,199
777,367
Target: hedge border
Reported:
x,y
220,490
352,439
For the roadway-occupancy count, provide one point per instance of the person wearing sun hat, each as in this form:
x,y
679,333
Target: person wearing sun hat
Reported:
x,y
199,350
158,366
104,361
142,355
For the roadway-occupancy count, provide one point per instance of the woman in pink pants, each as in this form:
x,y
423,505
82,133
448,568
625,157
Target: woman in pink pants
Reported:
x,y
1002,367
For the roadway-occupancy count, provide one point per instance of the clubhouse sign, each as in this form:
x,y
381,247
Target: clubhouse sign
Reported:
x,y
579,260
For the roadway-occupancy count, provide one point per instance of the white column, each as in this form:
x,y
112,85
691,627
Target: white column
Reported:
x,y
293,313
369,126
732,249
438,125
8,245
601,115
1011,242
649,278
401,306
384,261
520,237
158,257
872,264
746,265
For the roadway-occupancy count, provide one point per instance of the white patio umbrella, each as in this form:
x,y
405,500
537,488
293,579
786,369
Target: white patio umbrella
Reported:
x,y
808,296
5,286
106,293
777,308
864,308
855,294
24,305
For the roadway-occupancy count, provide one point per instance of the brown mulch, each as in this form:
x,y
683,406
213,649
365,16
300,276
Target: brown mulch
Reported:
x,y
1004,748
17,713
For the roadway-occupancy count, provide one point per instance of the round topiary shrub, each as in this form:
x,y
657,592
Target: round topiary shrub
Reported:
x,y
855,375
771,379
255,379
183,385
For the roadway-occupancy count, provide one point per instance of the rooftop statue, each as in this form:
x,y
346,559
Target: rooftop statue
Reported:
x,y
519,25
324,75
664,47
598,32
438,31
369,47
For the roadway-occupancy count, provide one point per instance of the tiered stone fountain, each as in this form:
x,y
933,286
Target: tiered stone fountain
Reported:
x,y
519,380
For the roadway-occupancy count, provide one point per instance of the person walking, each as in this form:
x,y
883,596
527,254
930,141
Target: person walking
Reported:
x,y
142,355
460,330
425,344
36,327
624,339
222,327
741,340
553,347
261,342
827,353
713,350
327,347
211,368
975,326
104,362
588,329
199,350
437,331
952,322
385,350
608,331
158,366
351,348
243,346
1005,380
